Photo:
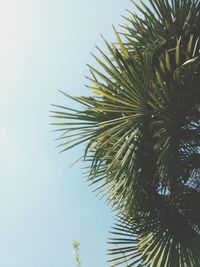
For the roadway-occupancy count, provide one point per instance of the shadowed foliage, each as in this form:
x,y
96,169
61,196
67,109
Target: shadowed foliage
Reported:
x,y
141,127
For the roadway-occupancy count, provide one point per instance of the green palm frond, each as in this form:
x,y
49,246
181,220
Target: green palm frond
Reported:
x,y
135,127
168,235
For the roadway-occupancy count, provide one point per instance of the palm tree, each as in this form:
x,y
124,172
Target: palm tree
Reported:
x,y
141,127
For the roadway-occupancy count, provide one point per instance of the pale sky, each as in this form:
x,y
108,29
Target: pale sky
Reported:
x,y
44,204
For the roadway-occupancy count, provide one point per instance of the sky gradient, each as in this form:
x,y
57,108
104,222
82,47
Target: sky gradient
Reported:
x,y
44,204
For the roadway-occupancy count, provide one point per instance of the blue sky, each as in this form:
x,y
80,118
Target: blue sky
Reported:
x,y
44,204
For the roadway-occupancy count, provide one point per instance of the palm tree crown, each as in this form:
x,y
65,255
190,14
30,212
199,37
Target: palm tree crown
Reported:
x,y
142,127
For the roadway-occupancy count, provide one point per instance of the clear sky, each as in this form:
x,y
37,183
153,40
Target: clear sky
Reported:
x,y
44,204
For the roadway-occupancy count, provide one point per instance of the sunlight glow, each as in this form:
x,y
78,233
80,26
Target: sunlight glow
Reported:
x,y
12,33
